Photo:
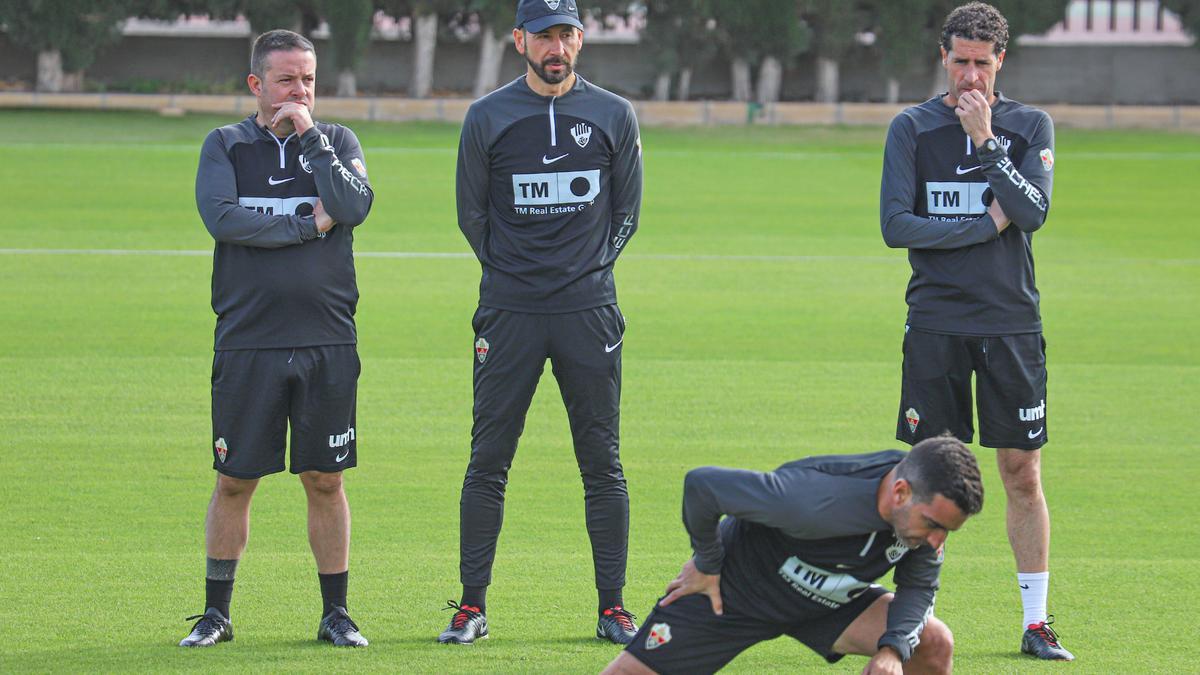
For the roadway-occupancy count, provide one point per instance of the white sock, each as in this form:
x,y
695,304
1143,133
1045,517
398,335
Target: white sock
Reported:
x,y
1033,596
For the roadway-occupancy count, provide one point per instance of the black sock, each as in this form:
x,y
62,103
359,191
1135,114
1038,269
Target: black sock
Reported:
x,y
333,590
217,593
475,596
610,599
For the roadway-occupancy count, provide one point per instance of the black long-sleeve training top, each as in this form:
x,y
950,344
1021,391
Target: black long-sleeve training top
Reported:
x,y
935,192
808,537
549,192
276,282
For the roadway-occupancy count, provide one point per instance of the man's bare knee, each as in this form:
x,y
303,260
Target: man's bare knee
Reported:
x,y
1020,471
936,650
229,487
322,485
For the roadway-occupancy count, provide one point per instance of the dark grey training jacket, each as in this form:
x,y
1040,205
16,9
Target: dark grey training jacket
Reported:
x,y
806,538
549,190
933,201
276,282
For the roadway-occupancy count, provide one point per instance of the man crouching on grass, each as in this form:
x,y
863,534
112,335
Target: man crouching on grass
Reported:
x,y
798,552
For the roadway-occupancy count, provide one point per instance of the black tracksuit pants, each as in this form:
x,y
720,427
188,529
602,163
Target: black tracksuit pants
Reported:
x,y
511,349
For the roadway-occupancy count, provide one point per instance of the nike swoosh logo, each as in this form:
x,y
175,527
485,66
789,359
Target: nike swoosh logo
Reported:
x,y
609,349
547,160
960,171
272,181
840,566
342,456
1035,433
1025,586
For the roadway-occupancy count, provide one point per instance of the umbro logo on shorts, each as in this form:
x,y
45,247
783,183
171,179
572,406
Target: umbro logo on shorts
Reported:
x,y
341,440
1033,414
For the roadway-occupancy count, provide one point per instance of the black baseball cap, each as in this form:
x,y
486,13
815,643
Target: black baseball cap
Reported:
x,y
536,16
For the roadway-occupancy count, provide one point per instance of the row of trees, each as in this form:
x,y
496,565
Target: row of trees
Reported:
x,y
67,34
766,36
758,38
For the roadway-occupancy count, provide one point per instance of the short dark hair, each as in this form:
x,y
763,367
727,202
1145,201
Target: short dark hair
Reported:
x,y
943,465
976,21
276,41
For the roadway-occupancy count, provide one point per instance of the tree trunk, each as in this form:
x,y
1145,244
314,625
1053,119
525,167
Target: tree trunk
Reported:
x,y
491,55
73,81
49,71
827,80
662,87
347,83
683,89
893,90
770,80
424,44
740,73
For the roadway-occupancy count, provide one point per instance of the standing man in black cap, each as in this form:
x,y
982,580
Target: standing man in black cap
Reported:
x,y
549,188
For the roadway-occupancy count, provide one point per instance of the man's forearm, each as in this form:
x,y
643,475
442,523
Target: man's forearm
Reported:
x,y
904,229
346,197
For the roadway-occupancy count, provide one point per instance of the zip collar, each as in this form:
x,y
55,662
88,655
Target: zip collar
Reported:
x,y
579,83
281,142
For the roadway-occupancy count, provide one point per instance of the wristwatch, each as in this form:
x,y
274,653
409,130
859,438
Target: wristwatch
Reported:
x,y
990,145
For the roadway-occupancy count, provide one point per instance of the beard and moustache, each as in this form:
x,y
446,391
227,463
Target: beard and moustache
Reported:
x,y
548,78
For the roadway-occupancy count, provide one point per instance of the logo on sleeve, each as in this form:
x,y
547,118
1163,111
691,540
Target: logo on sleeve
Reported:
x,y
481,349
358,166
1047,158
582,133
660,634
305,165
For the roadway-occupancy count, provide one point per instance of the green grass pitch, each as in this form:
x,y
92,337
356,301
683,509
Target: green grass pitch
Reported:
x,y
765,318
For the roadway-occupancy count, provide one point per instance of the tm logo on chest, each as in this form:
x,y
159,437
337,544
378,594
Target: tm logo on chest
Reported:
x,y
558,192
955,198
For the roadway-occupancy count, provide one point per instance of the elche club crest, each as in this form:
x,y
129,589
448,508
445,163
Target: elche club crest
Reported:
x,y
222,449
913,419
553,4
896,551
305,165
582,133
481,349
660,634
1047,158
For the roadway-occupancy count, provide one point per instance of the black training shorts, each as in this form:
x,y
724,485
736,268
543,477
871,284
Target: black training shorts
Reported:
x,y
257,392
1010,384
686,637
